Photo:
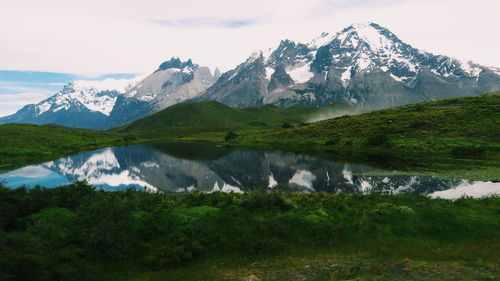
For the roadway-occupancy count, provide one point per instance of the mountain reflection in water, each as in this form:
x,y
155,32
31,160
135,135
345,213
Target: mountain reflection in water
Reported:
x,y
173,167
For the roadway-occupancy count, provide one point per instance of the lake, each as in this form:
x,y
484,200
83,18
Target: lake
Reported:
x,y
180,167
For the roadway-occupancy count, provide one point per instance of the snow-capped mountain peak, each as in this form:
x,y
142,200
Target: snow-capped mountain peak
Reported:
x,y
373,35
94,95
367,46
364,64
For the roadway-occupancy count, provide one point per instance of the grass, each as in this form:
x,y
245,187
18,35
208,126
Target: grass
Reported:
x,y
466,127
78,233
320,266
188,119
22,144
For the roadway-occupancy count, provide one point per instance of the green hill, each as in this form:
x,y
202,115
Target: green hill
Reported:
x,y
22,144
464,127
194,118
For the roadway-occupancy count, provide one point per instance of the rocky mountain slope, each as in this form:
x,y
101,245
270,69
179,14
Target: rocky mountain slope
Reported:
x,y
364,64
80,104
112,102
173,82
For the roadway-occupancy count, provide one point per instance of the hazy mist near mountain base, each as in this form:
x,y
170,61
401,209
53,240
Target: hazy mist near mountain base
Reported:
x,y
330,113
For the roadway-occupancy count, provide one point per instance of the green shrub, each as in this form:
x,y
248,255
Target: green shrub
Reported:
x,y
230,136
263,200
333,141
469,152
50,234
377,140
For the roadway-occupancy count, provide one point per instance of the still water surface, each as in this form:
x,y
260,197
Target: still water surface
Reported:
x,y
174,167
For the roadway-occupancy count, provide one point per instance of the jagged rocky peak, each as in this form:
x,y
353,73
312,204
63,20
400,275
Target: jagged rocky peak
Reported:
x,y
364,64
368,46
176,63
289,53
217,73
173,82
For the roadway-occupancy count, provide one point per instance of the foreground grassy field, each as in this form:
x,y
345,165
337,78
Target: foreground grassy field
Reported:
x,y
77,233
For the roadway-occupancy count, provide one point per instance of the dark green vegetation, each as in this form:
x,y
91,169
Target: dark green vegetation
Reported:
x,y
463,127
22,144
77,233
189,119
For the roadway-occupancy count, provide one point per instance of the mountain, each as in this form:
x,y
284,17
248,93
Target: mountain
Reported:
x,y
364,65
173,82
113,102
80,104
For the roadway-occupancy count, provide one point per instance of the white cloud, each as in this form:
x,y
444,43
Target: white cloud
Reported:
x,y
10,103
29,172
22,98
95,36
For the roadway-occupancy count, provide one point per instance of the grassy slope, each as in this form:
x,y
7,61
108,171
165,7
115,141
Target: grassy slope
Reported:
x,y
187,119
22,144
436,127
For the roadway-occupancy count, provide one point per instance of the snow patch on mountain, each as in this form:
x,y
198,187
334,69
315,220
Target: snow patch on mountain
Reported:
x,y
396,78
301,74
346,75
43,107
269,72
372,37
322,40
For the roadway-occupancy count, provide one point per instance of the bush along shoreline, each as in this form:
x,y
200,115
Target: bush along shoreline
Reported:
x,y
76,232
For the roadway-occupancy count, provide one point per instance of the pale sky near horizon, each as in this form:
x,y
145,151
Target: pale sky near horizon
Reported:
x,y
89,38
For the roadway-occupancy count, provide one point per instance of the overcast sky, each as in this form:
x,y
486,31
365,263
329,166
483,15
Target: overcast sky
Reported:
x,y
90,38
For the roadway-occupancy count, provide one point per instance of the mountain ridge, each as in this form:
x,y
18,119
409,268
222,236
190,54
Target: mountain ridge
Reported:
x,y
364,64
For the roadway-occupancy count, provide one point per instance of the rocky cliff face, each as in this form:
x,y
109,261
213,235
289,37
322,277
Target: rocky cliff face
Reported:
x,y
173,82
